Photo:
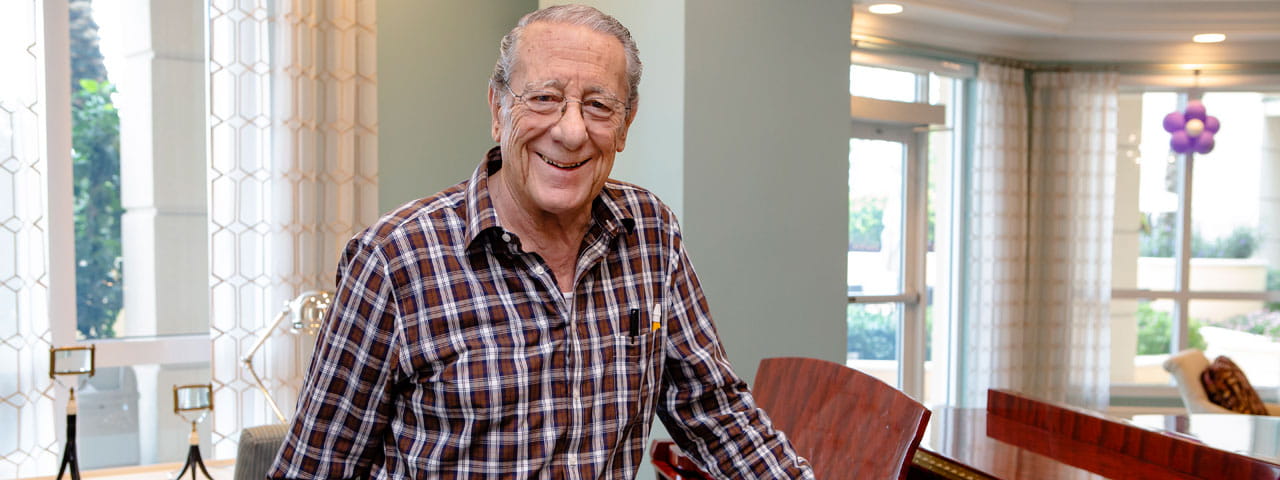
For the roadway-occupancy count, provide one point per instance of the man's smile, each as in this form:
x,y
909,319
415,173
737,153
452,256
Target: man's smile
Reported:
x,y
563,166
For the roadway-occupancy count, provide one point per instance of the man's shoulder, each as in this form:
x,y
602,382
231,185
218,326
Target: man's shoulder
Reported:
x,y
643,204
419,222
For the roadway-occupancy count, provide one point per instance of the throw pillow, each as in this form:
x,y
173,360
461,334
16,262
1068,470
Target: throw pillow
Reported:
x,y
1230,389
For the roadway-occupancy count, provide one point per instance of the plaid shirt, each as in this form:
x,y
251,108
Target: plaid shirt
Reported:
x,y
450,352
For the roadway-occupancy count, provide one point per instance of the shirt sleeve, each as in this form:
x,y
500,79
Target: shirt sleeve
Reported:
x,y
707,408
345,401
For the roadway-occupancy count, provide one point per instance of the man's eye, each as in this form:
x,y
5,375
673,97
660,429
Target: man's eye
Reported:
x,y
598,107
545,98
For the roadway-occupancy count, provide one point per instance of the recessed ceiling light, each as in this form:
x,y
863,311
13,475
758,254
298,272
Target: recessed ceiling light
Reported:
x,y
885,8
1209,38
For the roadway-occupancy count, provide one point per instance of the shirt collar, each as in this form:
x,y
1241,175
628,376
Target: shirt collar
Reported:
x,y
609,211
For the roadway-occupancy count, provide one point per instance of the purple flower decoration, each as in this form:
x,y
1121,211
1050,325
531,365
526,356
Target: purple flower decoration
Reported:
x,y
1192,129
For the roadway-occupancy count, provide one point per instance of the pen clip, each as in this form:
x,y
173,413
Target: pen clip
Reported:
x,y
635,322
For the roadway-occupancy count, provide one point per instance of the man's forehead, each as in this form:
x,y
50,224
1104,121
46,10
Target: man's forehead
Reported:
x,y
547,41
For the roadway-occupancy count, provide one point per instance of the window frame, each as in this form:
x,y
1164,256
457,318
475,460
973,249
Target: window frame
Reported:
x,y
912,327
128,351
1141,398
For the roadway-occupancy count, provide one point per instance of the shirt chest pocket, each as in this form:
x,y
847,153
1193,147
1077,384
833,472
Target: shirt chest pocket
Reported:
x,y
636,368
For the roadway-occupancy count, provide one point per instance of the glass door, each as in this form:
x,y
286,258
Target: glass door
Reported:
x,y
886,318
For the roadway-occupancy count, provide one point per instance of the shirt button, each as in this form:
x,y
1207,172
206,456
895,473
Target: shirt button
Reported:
x,y
537,269
506,237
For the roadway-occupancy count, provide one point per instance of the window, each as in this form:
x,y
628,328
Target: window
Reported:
x,y
133,183
1196,259
902,190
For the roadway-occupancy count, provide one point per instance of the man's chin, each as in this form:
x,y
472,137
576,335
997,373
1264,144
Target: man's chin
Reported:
x,y
562,203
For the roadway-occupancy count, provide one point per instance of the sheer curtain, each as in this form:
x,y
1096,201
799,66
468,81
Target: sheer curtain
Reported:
x,y
28,446
293,175
995,298
1038,275
1073,171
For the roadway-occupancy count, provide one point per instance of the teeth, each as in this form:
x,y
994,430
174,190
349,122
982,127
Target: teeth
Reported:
x,y
570,166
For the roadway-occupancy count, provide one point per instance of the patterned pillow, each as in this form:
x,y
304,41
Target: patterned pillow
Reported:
x,y
1230,389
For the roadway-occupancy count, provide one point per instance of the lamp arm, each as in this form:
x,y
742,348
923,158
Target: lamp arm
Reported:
x,y
248,362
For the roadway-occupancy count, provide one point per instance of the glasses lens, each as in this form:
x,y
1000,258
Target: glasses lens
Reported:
x,y
543,102
601,110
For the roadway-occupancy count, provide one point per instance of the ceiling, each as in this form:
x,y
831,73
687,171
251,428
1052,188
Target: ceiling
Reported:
x,y
1137,31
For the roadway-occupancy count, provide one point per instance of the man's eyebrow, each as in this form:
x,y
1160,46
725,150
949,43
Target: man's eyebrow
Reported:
x,y
547,84
599,89
558,85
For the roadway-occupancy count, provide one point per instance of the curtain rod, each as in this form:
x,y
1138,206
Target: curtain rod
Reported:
x,y
879,44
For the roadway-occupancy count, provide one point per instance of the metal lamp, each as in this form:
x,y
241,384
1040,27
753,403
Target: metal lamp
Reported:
x,y
306,313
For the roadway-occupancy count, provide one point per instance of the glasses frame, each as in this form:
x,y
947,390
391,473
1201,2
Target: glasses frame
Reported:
x,y
564,105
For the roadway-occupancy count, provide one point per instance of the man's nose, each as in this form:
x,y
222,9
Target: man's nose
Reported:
x,y
571,129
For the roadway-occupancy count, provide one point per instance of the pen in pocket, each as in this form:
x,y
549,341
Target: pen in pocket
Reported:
x,y
635,322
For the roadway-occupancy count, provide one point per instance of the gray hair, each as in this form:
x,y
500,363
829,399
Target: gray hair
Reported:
x,y
573,15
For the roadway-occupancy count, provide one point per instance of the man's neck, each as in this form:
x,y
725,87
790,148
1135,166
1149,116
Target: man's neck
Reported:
x,y
556,238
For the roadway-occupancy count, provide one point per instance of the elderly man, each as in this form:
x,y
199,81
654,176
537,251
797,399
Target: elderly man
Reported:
x,y
530,321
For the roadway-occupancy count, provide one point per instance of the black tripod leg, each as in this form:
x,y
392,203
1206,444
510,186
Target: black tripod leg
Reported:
x,y
195,452
75,464
69,460
184,469
65,460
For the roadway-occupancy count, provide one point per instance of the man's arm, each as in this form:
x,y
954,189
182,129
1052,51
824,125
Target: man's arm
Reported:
x,y
345,402
704,405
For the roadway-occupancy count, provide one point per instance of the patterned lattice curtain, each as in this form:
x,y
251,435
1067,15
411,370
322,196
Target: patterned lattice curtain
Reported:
x,y
28,444
292,176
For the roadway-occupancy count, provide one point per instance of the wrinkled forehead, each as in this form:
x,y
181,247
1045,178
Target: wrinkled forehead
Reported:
x,y
555,55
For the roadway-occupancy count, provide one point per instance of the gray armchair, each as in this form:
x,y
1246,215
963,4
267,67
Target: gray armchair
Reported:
x,y
258,448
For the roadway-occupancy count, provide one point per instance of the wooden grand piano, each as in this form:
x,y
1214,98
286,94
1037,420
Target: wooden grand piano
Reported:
x,y
1022,437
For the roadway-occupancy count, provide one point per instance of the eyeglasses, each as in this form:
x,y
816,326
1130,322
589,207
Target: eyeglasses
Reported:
x,y
597,109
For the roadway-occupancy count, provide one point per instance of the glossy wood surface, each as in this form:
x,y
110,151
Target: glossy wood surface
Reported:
x,y
1026,438
956,446
665,456
846,423
1252,435
1110,447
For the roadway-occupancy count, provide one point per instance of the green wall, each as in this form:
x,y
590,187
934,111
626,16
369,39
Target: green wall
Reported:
x,y
434,61
766,172
742,128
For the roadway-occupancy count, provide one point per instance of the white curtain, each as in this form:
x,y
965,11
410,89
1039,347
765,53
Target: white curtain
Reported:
x,y
28,446
293,175
1073,177
1038,275
995,300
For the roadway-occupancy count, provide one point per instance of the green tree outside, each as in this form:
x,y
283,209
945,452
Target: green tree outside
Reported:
x,y
95,161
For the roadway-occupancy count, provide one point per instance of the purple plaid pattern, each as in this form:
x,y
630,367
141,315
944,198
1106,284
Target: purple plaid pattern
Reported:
x,y
451,353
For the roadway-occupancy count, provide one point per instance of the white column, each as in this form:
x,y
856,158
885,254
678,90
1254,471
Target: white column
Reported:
x,y
1124,257
1269,201
162,142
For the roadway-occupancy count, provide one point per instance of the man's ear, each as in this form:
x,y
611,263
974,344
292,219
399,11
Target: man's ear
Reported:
x,y
631,115
495,109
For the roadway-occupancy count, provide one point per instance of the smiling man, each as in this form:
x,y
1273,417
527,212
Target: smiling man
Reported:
x,y
529,322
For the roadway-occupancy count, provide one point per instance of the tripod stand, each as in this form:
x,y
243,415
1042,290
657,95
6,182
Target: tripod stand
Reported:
x,y
69,452
193,456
